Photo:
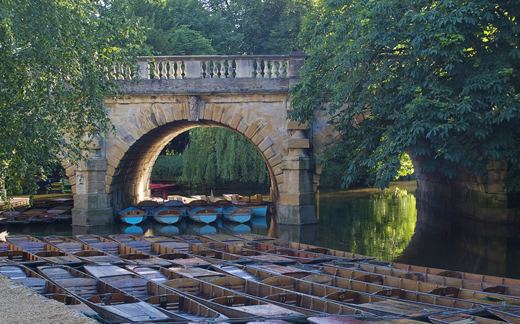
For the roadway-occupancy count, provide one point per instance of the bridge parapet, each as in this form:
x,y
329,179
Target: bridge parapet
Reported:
x,y
211,67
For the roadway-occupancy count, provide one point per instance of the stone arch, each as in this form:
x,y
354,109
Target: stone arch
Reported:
x,y
140,136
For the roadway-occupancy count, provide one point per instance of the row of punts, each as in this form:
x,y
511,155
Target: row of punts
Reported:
x,y
247,278
41,212
200,209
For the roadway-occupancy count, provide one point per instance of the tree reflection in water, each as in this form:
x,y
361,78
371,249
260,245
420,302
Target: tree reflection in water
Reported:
x,y
379,225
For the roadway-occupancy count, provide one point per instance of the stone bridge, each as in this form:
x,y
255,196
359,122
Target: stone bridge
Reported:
x,y
166,96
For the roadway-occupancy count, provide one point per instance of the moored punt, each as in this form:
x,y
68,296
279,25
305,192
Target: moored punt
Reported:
x,y
510,314
131,215
81,250
298,302
100,243
42,250
220,237
237,214
8,252
342,255
110,303
485,286
370,297
168,243
168,215
32,280
485,279
254,237
478,297
251,254
215,256
229,303
461,318
136,245
297,255
336,319
148,290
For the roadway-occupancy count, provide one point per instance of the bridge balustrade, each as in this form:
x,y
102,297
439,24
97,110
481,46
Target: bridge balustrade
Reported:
x,y
210,67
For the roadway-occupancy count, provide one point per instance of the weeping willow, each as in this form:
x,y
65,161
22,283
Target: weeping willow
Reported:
x,y
218,156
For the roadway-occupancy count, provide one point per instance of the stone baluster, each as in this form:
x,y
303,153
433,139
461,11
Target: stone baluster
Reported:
x,y
223,69
274,69
122,75
171,70
177,69
244,68
259,69
164,73
214,73
156,70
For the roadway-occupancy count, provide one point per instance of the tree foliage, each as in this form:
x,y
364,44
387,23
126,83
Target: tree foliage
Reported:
x,y
53,61
436,79
217,156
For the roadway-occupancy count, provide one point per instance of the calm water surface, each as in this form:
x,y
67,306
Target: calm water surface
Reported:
x,y
384,226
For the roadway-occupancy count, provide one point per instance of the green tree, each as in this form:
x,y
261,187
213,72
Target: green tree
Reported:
x,y
436,79
218,156
54,58
264,26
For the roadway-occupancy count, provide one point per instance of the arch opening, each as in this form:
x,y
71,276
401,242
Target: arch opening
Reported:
x,y
132,177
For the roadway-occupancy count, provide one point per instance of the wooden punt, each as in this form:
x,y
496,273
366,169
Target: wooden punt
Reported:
x,y
81,250
29,278
499,286
9,252
42,250
221,238
418,286
510,314
169,243
254,237
215,256
131,215
266,253
137,245
335,319
100,243
110,303
168,215
337,254
369,297
461,318
228,302
302,303
237,214
298,255
149,291
129,254
251,254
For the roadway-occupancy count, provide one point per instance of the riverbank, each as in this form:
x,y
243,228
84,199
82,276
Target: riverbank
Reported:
x,y
19,304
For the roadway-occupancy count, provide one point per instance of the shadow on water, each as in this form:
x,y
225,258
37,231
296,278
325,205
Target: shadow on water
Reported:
x,y
389,227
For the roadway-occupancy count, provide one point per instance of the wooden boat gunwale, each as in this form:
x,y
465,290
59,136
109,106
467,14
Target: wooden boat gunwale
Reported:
x,y
478,297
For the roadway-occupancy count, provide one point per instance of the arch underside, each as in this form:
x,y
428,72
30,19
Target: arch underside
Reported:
x,y
130,183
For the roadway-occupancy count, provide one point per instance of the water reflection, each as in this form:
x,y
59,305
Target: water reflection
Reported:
x,y
375,225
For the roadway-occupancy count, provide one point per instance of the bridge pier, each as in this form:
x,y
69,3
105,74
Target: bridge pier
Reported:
x,y
91,201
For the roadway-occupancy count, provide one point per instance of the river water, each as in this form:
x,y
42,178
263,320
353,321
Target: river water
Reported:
x,y
391,226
